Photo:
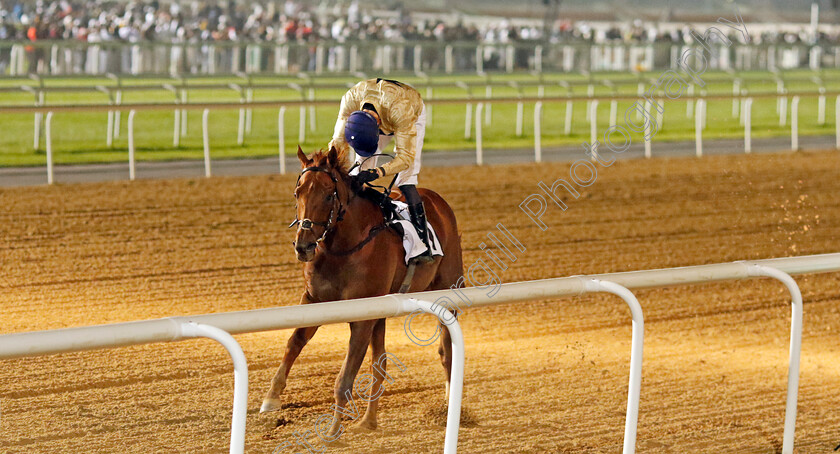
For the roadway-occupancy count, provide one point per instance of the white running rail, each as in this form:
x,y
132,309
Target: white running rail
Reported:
x,y
171,329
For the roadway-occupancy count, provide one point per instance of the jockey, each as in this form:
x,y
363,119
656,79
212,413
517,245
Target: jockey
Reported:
x,y
372,113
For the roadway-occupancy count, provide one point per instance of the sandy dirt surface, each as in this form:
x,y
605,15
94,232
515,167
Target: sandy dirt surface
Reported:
x,y
545,376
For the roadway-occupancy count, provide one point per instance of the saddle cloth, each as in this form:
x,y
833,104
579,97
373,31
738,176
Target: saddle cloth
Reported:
x,y
412,243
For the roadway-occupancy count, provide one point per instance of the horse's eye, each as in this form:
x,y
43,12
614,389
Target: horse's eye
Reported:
x,y
295,194
330,198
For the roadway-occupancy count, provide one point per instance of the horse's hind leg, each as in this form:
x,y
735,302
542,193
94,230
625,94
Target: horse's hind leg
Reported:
x,y
360,333
445,352
377,368
294,346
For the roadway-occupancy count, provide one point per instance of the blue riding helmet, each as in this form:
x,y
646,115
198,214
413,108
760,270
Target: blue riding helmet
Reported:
x,y
362,133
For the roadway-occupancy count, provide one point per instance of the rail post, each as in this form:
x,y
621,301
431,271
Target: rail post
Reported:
x,y
118,113
176,123
48,139
636,352
468,121
821,107
479,151
837,122
780,89
240,378
456,379
205,134
302,120
538,107
795,346
38,116
281,137
782,111
184,117
109,134
520,109
131,165
468,111
593,122
794,123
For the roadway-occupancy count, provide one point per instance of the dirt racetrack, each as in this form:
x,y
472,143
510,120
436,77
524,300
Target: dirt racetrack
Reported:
x,y
546,376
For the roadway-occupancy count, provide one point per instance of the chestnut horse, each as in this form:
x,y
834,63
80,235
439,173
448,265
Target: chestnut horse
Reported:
x,y
349,253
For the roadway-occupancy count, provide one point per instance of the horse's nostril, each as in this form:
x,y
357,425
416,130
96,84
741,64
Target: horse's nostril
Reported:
x,y
304,248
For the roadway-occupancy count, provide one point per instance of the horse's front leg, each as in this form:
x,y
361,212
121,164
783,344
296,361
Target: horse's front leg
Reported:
x,y
294,346
345,404
377,368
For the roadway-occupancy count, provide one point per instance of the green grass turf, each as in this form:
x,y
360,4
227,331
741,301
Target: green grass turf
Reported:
x,y
80,137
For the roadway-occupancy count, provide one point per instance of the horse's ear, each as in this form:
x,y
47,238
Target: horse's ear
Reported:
x,y
304,161
332,158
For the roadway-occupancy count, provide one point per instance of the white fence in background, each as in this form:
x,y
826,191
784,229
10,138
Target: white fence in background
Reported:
x,y
480,107
76,57
221,326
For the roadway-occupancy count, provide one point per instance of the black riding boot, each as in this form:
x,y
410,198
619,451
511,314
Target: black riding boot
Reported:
x,y
418,218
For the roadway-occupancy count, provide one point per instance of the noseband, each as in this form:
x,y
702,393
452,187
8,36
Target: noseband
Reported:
x,y
307,224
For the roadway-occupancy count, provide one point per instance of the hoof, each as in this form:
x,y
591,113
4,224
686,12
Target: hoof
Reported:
x,y
270,404
363,426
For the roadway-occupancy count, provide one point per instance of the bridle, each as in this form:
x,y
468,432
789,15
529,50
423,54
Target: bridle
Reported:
x,y
307,224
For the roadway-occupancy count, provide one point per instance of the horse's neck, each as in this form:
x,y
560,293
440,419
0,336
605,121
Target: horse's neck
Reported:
x,y
360,215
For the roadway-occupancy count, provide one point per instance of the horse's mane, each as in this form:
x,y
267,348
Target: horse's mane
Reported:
x,y
320,159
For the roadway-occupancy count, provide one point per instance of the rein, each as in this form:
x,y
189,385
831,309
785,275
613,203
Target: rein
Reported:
x,y
307,224
371,235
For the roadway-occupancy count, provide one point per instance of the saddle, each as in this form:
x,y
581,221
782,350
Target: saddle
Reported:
x,y
386,206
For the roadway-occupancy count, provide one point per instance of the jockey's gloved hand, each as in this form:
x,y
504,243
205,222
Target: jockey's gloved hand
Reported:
x,y
366,176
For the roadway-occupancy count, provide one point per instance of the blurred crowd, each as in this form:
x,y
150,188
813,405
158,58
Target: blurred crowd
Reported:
x,y
216,36
226,20
285,21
